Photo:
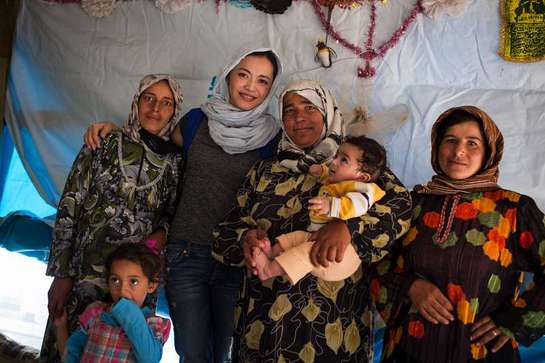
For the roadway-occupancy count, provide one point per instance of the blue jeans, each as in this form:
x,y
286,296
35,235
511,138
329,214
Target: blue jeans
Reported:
x,y
201,295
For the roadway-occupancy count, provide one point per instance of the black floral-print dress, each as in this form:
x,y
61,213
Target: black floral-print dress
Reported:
x,y
493,237
314,320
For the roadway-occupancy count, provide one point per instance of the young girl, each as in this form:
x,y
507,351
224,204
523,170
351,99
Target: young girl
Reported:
x,y
122,192
123,330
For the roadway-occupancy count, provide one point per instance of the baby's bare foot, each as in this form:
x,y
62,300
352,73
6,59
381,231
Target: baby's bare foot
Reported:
x,y
266,248
267,268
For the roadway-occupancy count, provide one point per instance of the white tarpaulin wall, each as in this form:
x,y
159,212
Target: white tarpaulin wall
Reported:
x,y
69,69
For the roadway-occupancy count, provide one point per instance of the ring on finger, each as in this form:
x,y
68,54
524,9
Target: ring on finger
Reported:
x,y
495,332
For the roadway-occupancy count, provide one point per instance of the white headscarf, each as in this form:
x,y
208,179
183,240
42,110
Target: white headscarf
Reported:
x,y
234,130
132,125
292,156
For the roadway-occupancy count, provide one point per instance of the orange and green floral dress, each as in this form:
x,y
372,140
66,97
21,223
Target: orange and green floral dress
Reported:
x,y
473,247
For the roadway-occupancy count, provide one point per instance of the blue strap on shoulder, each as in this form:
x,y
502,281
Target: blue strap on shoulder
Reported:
x,y
269,150
190,124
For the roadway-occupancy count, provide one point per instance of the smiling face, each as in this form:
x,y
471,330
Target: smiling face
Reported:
x,y
129,281
346,166
156,107
461,151
303,121
250,82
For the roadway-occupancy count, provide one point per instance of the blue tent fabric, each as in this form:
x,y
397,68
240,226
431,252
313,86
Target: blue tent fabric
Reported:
x,y
6,147
24,232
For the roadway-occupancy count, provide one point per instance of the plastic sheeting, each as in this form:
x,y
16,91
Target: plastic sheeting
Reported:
x,y
69,69
25,233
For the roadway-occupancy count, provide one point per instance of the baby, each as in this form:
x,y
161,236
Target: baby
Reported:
x,y
347,192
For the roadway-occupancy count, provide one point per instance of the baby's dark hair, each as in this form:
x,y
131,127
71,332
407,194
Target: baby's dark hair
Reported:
x,y
271,57
373,160
151,263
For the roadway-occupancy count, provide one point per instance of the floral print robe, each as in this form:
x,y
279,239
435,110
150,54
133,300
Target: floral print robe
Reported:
x,y
119,193
494,236
314,320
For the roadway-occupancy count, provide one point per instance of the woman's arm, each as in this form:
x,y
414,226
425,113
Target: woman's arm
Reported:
x,y
60,264
387,220
524,319
75,191
391,282
97,132
237,225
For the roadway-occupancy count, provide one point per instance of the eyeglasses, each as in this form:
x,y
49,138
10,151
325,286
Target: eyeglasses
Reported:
x,y
151,100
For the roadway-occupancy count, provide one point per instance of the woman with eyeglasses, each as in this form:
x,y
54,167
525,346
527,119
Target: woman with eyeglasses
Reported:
x,y
123,192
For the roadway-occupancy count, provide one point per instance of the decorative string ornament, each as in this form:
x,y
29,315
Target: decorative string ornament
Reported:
x,y
172,6
99,8
341,3
368,52
436,8
324,54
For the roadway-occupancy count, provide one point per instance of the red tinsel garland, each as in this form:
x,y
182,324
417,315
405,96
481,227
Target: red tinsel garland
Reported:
x,y
368,54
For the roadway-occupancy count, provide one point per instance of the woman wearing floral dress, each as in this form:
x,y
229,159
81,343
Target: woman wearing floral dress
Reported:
x,y
122,192
314,320
451,292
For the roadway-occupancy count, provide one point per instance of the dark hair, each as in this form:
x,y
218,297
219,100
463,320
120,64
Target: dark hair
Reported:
x,y
151,263
459,117
270,56
373,160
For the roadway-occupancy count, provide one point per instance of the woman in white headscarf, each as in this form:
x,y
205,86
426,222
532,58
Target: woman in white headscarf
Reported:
x,y
313,320
222,140
122,192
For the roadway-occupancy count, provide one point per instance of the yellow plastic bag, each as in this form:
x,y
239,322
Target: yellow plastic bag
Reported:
x,y
522,33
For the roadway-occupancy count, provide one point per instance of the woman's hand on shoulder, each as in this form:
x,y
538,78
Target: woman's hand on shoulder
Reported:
x,y
330,243
486,330
431,303
96,132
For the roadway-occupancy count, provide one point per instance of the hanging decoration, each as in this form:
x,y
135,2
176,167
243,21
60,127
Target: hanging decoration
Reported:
x,y
436,8
341,3
172,6
99,8
521,30
324,54
271,6
368,52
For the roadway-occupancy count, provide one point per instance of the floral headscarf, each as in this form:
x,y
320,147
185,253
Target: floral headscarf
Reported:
x,y
132,125
234,130
487,177
292,156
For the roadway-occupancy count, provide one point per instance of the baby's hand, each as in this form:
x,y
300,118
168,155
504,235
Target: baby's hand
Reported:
x,y
320,205
315,169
